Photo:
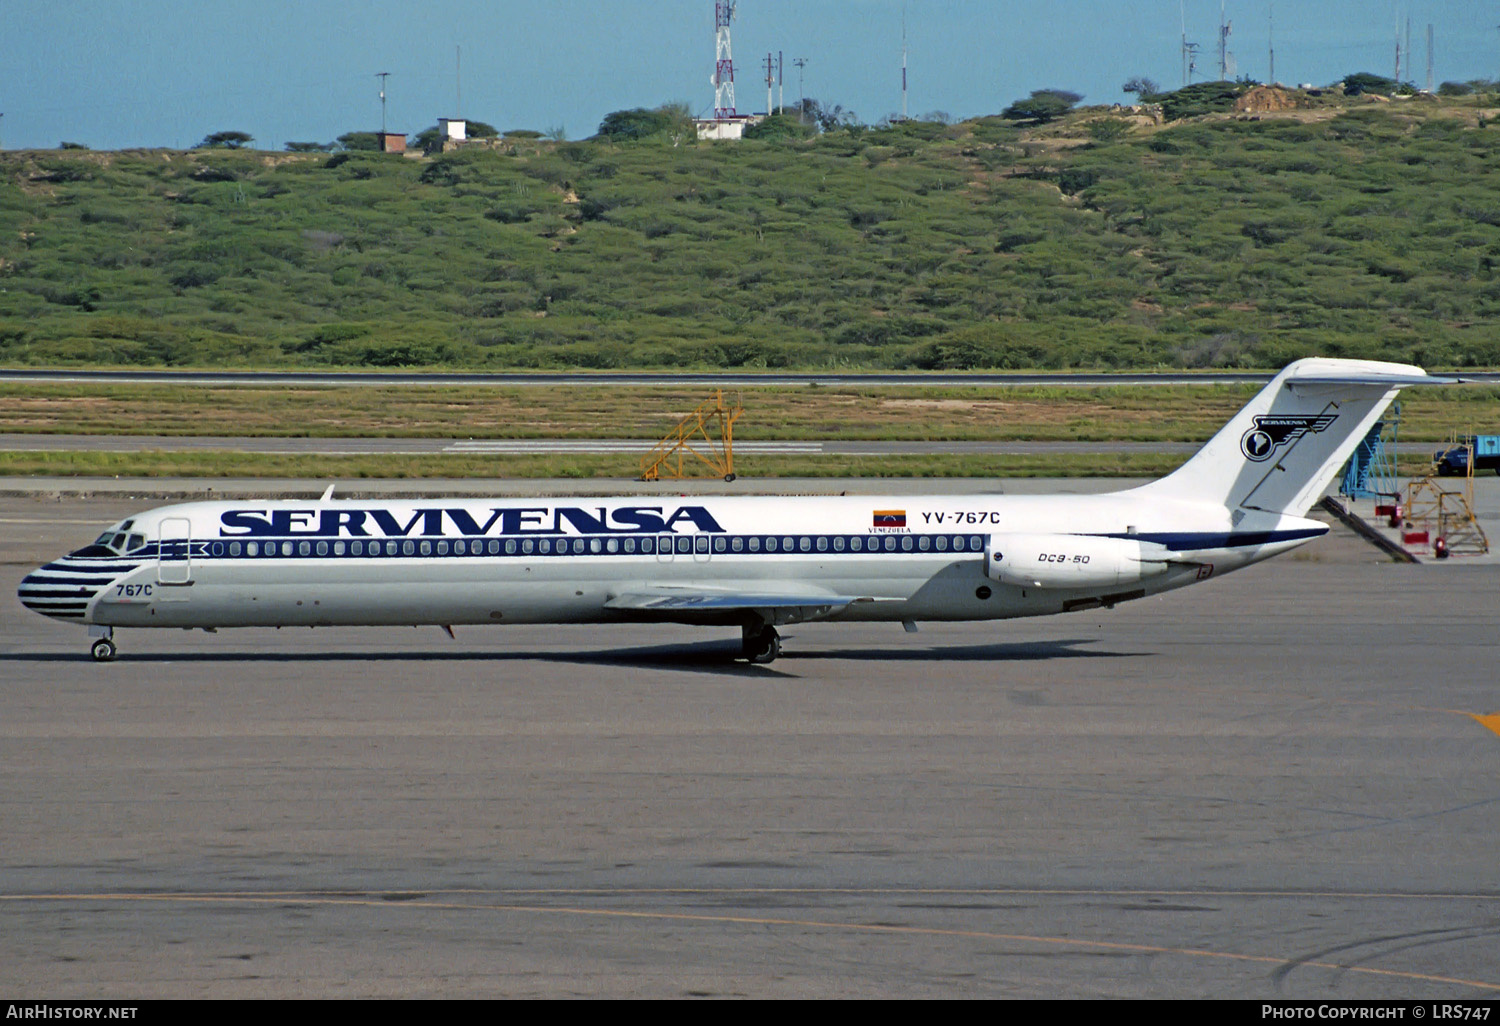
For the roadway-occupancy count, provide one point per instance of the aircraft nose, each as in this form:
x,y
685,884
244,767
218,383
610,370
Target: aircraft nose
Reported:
x,y
54,594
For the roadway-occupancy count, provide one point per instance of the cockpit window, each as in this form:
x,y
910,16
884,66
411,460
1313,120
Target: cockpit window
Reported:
x,y
113,543
96,550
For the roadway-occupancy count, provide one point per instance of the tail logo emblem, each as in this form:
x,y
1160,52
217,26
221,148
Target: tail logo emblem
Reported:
x,y
1274,431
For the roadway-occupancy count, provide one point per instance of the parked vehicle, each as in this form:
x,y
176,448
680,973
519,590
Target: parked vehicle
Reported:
x,y
1454,459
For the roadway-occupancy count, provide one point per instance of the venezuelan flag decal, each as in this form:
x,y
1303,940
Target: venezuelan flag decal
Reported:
x,y
890,518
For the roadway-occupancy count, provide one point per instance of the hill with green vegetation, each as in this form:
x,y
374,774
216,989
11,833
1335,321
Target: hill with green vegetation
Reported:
x,y
1103,238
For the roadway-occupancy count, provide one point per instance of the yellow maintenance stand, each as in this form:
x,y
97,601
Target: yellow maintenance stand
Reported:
x,y
1446,515
704,438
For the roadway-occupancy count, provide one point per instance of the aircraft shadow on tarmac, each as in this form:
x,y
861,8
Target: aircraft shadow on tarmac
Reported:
x,y
708,656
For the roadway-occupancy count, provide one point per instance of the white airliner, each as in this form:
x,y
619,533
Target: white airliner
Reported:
x,y
753,562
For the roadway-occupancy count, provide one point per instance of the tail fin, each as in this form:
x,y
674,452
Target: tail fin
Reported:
x,y
1281,451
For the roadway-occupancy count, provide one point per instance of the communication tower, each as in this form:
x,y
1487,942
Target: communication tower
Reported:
x,y
1429,56
903,62
1189,50
382,75
1271,43
774,78
1226,59
1405,57
724,11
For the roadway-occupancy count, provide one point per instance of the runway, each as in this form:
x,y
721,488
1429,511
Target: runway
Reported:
x,y
301,446
714,378
710,379
1281,784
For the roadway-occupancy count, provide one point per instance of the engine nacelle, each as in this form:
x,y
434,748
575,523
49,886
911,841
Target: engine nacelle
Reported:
x,y
1072,560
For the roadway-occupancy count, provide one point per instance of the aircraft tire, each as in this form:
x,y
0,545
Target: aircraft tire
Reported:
x,y
103,651
763,647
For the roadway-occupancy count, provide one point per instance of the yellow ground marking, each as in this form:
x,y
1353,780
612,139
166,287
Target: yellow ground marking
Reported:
x,y
400,900
1492,721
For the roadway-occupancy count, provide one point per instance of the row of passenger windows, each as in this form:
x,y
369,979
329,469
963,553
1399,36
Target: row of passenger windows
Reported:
x,y
696,544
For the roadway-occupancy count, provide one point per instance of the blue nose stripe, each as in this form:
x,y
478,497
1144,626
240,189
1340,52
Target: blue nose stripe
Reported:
x,y
64,588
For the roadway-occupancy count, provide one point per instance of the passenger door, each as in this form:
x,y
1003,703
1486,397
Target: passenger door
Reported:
x,y
174,561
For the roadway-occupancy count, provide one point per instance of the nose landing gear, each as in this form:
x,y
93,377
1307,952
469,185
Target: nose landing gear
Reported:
x,y
761,644
103,650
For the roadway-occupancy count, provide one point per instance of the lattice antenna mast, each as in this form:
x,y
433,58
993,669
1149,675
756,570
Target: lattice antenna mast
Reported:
x,y
1224,57
770,81
1397,74
1409,72
1271,43
724,11
382,75
1189,50
1429,56
903,62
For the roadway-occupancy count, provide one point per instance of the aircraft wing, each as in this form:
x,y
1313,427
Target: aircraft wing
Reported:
x,y
699,605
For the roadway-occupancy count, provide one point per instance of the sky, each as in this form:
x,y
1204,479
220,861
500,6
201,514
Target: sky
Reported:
x,y
166,73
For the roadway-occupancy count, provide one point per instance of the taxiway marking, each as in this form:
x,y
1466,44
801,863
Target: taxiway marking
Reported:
x,y
405,899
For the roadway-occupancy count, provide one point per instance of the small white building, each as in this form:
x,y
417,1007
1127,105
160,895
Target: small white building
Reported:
x,y
726,128
456,129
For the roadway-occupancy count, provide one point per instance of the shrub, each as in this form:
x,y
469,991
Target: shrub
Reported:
x,y
780,126
1042,106
1198,99
639,123
1368,82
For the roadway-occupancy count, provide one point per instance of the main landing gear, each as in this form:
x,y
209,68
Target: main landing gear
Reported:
x,y
103,649
761,644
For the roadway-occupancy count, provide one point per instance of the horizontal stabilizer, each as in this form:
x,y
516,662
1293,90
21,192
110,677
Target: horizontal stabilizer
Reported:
x,y
1329,376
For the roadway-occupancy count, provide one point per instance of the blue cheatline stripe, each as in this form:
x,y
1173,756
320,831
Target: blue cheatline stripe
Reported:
x,y
41,579
88,571
1186,541
553,546
87,566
